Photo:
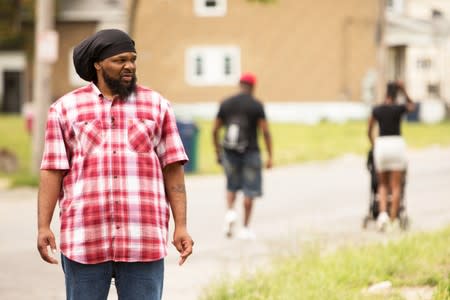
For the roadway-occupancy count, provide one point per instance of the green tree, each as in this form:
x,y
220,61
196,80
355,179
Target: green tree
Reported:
x,y
12,15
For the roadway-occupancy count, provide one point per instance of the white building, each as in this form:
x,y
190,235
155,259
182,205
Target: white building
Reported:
x,y
418,39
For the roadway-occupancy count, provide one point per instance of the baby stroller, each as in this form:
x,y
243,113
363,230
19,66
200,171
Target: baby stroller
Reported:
x,y
374,202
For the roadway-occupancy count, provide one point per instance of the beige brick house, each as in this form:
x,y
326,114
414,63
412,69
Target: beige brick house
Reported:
x,y
301,50
74,21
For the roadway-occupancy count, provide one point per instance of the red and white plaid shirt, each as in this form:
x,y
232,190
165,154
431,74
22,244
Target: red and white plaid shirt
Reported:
x,y
113,204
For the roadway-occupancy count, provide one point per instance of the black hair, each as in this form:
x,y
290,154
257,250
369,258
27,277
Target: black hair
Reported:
x,y
392,90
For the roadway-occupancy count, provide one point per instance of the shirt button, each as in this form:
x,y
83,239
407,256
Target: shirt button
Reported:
x,y
117,227
114,152
115,177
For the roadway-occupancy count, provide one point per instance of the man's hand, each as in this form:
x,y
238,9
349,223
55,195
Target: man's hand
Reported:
x,y
269,163
400,85
45,239
184,243
218,153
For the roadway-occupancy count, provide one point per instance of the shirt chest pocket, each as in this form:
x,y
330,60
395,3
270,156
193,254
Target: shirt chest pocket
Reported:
x,y
89,134
141,135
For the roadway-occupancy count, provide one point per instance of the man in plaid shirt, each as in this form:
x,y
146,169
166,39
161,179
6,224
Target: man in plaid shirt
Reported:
x,y
113,160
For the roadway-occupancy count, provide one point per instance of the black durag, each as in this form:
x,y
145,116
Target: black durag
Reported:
x,y
101,45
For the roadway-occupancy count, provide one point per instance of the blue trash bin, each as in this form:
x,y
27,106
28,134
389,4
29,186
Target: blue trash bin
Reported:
x,y
189,134
414,116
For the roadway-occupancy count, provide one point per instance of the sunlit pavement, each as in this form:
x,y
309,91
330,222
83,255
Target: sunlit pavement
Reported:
x,y
322,202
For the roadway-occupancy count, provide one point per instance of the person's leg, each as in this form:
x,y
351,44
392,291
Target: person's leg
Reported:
x,y
383,190
86,282
252,188
139,280
230,215
232,167
246,233
231,199
396,188
398,166
248,206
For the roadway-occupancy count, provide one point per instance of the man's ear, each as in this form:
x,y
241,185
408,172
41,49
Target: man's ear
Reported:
x,y
97,66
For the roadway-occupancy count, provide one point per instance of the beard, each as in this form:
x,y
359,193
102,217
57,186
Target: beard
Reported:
x,y
117,87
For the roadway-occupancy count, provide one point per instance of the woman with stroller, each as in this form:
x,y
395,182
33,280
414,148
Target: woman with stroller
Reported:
x,y
389,151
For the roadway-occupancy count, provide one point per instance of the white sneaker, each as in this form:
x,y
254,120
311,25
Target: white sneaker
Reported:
x,y
382,221
246,234
230,218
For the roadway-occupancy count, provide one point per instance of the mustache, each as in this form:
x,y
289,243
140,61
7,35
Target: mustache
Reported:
x,y
128,73
116,85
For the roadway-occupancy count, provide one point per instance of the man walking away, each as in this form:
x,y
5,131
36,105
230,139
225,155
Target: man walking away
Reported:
x,y
243,117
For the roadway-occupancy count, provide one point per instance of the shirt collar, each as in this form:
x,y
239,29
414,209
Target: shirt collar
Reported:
x,y
95,90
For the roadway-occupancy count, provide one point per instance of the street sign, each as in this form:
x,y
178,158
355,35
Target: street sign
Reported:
x,y
47,50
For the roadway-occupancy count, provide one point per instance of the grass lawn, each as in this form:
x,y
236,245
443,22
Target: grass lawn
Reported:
x,y
416,260
293,143
15,138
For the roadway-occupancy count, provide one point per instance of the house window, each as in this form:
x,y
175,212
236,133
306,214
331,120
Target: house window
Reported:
x,y
424,63
436,14
396,6
113,2
198,66
212,65
434,90
210,8
227,68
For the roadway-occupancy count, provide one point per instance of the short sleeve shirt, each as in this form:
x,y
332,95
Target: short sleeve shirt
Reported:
x,y
112,203
251,109
389,118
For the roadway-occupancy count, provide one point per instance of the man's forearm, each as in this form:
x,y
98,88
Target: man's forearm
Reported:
x,y
216,142
268,142
215,135
370,130
49,190
176,192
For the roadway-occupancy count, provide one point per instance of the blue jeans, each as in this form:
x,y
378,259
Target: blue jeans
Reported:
x,y
134,281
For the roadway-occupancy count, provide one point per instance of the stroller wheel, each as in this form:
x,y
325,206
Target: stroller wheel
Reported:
x,y
365,222
404,221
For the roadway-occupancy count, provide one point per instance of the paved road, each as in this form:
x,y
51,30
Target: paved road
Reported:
x,y
320,201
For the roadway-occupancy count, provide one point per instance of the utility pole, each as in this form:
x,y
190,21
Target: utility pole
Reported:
x,y
44,55
133,6
381,50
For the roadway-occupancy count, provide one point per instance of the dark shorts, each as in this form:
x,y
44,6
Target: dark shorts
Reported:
x,y
243,172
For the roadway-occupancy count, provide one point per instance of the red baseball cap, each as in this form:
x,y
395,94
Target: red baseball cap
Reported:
x,y
248,78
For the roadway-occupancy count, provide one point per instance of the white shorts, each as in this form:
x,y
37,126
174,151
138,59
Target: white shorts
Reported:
x,y
390,153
